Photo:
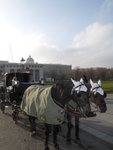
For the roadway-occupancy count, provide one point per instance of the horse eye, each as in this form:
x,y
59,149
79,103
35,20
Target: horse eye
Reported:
x,y
78,94
95,95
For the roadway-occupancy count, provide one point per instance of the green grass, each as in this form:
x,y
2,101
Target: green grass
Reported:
x,y
108,86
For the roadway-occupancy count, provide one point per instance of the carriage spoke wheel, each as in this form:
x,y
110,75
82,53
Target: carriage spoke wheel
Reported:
x,y
3,108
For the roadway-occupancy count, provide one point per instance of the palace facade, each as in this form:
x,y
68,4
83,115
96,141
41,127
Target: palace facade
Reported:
x,y
37,71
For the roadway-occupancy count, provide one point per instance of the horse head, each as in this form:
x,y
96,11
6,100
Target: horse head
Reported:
x,y
81,96
98,95
73,94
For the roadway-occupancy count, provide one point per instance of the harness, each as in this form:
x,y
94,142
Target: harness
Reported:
x,y
94,91
96,88
68,109
75,111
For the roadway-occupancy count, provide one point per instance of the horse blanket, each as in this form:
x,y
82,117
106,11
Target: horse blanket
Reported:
x,y
37,102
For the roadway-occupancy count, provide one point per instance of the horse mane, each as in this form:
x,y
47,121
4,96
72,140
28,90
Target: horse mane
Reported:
x,y
61,91
88,85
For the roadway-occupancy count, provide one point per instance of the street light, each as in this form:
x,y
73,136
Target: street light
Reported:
x,y
22,61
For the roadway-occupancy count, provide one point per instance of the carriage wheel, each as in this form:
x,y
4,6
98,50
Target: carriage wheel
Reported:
x,y
3,108
15,116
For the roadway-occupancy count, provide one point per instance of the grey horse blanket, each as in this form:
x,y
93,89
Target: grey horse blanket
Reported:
x,y
37,102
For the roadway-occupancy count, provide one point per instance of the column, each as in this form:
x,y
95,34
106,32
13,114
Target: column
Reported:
x,y
34,75
41,74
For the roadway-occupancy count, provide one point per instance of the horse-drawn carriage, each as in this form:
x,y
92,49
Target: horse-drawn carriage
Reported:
x,y
2,98
12,92
15,84
49,104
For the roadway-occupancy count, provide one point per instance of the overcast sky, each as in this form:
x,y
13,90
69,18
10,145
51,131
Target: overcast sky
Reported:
x,y
72,32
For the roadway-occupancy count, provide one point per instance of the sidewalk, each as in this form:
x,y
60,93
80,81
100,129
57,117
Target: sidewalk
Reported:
x,y
109,96
101,126
99,129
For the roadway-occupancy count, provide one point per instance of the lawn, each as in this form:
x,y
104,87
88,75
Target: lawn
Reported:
x,y
108,86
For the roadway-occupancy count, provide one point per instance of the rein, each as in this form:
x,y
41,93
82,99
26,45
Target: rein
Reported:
x,y
72,111
69,108
59,104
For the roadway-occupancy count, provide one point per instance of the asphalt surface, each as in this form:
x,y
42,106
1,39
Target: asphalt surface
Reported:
x,y
95,133
101,126
18,137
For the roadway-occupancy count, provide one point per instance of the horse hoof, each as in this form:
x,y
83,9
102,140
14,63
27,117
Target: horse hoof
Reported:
x,y
78,138
57,147
68,142
91,114
47,148
33,133
77,141
16,122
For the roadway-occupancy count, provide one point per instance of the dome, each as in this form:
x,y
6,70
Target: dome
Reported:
x,y
30,60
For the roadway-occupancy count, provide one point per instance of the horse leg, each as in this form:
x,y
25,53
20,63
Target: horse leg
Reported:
x,y
69,128
55,133
77,127
32,125
47,132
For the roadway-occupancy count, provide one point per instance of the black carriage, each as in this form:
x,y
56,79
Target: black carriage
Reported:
x,y
14,86
2,98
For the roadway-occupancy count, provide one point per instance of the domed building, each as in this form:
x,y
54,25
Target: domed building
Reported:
x,y
30,60
37,71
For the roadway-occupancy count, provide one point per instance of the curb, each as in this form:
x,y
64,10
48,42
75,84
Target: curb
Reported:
x,y
109,96
101,136
96,134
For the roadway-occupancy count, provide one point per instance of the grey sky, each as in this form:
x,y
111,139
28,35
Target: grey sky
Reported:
x,y
75,32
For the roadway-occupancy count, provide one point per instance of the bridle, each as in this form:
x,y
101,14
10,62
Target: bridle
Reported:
x,y
74,89
94,92
68,107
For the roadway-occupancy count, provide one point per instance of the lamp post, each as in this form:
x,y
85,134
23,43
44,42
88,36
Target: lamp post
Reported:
x,y
22,61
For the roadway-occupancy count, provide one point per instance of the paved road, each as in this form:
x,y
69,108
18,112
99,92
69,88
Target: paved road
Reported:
x,y
95,133
17,137
101,126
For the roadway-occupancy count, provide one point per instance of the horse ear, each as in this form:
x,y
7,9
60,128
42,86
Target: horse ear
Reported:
x,y
99,82
81,80
74,82
91,82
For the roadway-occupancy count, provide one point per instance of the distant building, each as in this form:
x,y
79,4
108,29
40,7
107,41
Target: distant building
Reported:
x,y
38,71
